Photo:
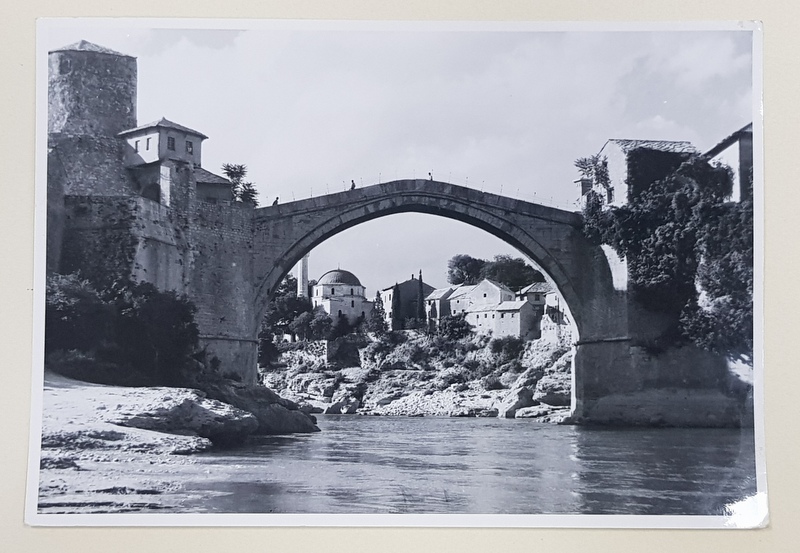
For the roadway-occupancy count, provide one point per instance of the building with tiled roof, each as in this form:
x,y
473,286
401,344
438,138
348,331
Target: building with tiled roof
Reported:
x,y
404,303
617,155
491,308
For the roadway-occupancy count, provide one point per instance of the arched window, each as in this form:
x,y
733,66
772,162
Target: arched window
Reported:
x,y
333,291
351,292
352,303
340,312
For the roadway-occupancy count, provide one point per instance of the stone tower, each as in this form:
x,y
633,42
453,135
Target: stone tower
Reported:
x,y
91,99
91,91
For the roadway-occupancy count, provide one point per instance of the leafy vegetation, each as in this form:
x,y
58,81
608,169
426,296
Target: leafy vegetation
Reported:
x,y
126,334
514,272
689,252
454,327
376,323
241,190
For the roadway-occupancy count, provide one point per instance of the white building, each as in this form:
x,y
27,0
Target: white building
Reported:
x,y
340,292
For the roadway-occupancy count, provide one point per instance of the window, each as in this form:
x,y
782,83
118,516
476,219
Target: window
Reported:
x,y
362,314
147,143
352,303
135,145
512,315
484,295
485,315
189,147
333,291
502,315
492,315
537,297
340,312
351,292
170,143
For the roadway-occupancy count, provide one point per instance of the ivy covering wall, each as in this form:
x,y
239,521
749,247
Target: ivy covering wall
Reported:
x,y
689,250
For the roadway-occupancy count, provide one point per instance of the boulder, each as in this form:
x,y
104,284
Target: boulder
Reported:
x,y
275,415
514,400
554,389
347,406
188,412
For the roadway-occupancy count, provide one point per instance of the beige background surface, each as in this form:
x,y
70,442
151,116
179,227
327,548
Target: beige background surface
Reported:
x,y
781,68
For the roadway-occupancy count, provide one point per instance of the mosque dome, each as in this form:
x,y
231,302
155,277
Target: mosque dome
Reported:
x,y
339,276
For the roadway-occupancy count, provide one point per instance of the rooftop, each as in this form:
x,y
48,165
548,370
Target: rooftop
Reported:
x,y
338,276
679,147
440,293
201,175
163,123
537,288
730,140
511,305
86,46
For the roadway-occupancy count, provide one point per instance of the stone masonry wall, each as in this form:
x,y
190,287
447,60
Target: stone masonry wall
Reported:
x,y
89,165
99,241
221,275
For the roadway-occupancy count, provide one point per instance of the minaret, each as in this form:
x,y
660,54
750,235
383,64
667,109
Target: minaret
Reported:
x,y
302,278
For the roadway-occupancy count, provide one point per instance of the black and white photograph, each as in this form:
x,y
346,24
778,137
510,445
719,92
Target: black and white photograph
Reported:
x,y
398,274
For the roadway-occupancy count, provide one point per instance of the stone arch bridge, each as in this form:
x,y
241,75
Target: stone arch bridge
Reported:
x,y
607,360
230,259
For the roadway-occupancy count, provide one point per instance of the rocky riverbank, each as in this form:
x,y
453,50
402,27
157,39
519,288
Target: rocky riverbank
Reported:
x,y
112,449
419,377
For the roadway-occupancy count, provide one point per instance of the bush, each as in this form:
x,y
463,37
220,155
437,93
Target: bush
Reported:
x,y
134,327
508,347
491,382
454,327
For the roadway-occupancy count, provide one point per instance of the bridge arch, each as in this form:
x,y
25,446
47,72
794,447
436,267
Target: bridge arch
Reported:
x,y
550,237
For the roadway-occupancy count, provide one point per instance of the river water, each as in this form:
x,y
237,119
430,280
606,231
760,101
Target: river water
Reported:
x,y
361,464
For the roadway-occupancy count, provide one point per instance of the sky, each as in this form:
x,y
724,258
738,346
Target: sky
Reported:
x,y
309,107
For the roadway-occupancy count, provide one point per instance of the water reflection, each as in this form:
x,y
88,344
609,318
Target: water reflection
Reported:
x,y
663,471
442,465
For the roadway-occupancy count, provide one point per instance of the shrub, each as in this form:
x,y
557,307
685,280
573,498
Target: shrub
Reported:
x,y
132,326
454,327
491,382
508,347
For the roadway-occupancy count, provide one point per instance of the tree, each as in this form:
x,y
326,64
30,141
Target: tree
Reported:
x,y
241,190
134,327
267,350
511,271
320,325
156,330
454,327
341,327
464,269
285,308
421,316
301,325
377,318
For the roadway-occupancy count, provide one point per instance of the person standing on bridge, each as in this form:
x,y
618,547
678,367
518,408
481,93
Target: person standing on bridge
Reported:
x,y
352,184
276,200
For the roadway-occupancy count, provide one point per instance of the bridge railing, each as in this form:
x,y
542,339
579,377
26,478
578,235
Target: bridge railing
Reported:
x,y
516,192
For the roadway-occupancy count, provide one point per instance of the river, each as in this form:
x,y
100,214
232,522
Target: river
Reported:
x,y
361,464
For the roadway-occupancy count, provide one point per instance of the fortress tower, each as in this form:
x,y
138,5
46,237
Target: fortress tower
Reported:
x,y
91,91
91,98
